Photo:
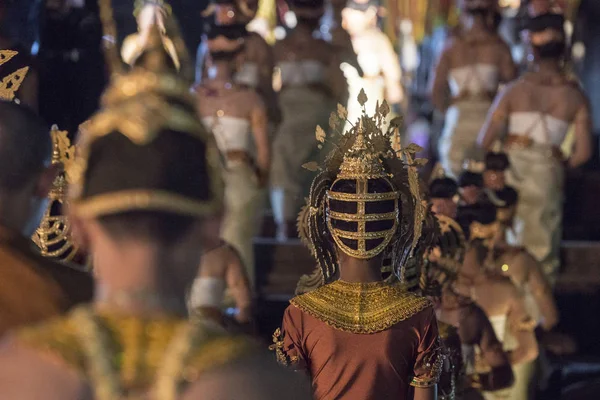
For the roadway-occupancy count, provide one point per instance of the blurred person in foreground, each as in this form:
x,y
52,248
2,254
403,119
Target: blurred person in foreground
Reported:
x,y
32,288
143,227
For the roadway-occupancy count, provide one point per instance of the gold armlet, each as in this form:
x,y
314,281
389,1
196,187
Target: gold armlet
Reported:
x,y
434,364
526,325
277,347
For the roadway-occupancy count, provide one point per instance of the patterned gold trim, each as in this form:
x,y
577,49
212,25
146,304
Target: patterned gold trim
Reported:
x,y
359,235
117,202
362,196
361,308
358,218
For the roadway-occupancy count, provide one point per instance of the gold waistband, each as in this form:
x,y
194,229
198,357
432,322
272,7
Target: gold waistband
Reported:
x,y
523,142
467,95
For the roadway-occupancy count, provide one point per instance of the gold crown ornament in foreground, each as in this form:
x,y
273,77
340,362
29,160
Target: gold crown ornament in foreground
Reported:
x,y
11,83
369,151
53,235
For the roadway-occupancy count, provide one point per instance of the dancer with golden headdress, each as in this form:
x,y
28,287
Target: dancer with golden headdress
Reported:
x,y
464,328
365,202
502,301
538,109
142,227
472,65
311,84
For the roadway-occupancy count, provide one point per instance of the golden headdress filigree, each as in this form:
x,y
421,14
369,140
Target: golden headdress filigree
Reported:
x,y
152,98
476,167
363,156
53,236
11,83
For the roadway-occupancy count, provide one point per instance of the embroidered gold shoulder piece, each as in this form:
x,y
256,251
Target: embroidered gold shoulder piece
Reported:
x,y
58,338
361,307
132,339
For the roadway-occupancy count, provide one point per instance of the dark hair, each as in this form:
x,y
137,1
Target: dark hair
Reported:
x,y
173,162
482,212
496,161
25,145
468,178
443,188
509,196
371,207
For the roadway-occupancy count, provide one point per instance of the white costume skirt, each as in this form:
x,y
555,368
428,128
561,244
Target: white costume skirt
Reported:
x,y
539,179
295,144
244,202
458,142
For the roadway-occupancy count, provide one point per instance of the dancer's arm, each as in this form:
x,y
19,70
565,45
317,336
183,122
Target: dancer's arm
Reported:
x,y
261,140
439,80
239,287
540,288
496,120
582,148
522,328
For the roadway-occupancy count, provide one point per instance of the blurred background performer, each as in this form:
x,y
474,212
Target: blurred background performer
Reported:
x,y
237,118
311,85
253,65
476,360
148,13
538,110
472,65
376,57
502,301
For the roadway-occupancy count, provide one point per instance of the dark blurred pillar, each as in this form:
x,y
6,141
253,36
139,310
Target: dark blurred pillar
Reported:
x,y
72,70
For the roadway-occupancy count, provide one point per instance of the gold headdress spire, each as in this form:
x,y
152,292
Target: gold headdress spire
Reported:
x,y
11,83
53,236
363,159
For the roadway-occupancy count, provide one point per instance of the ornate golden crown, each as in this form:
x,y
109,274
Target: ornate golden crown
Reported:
x,y
366,151
11,83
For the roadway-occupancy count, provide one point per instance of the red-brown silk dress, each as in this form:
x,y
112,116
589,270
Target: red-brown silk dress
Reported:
x,y
381,343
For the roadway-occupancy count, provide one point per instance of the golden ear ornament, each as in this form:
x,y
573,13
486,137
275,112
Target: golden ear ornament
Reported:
x,y
366,151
